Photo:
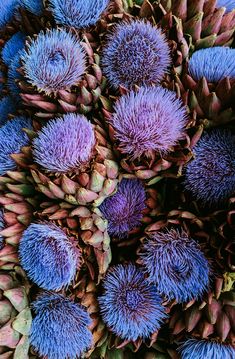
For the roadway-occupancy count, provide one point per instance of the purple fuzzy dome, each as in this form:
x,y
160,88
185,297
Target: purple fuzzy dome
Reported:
x,y
151,119
205,349
175,263
54,61
64,144
136,54
210,177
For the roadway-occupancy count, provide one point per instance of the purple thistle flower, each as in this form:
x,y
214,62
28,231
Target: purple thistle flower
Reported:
x,y
2,225
214,63
54,61
14,76
12,138
152,119
60,327
228,4
205,349
64,144
210,177
77,13
7,106
48,257
130,307
12,46
7,11
36,7
136,54
124,209
175,263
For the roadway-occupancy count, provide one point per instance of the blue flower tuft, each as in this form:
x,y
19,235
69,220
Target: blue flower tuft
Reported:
x,y
7,11
175,263
7,106
130,307
2,225
12,46
36,7
60,327
14,76
228,4
214,64
48,257
124,209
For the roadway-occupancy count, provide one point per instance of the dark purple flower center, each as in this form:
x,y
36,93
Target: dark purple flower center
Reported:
x,y
133,299
56,59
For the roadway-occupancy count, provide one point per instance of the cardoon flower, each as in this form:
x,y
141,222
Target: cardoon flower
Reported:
x,y
229,4
60,327
175,263
150,120
64,144
130,307
2,225
210,177
7,11
12,138
7,106
205,349
14,76
136,54
12,46
48,256
214,63
124,209
54,61
77,13
34,6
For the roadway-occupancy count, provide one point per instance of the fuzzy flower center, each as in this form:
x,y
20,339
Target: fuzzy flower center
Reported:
x,y
56,59
133,299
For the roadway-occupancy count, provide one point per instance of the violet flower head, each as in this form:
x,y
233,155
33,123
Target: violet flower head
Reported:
x,y
175,263
228,4
130,307
12,138
210,177
7,106
149,120
7,11
60,327
64,144
205,349
12,46
123,210
14,76
214,63
36,7
2,225
48,256
136,54
77,13
54,61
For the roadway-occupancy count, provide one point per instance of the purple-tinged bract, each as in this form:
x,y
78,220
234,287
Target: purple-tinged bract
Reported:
x,y
7,11
54,61
210,176
214,63
59,328
124,209
149,120
228,4
7,106
130,307
48,256
136,54
175,263
12,46
14,76
64,144
2,225
206,349
34,6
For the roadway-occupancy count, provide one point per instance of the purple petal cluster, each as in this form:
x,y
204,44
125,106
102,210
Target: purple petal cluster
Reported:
x,y
123,210
7,106
7,11
12,46
228,4
136,54
210,177
64,144
48,256
205,349
130,306
54,61
59,328
2,225
151,119
36,7
175,263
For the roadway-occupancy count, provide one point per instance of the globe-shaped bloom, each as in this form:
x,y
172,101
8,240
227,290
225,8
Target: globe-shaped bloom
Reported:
x,y
48,256
2,225
175,263
210,177
64,144
54,61
12,138
7,106
205,349
7,11
214,63
149,120
12,46
77,13
14,76
228,4
136,54
124,209
34,6
59,328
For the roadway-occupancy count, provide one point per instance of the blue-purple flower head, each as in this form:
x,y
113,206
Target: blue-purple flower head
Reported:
x,y
54,61
175,263
136,54
77,13
2,225
206,349
12,138
210,176
8,9
124,210
130,307
149,120
7,106
36,7
228,4
48,256
14,76
59,328
12,46
214,63
64,144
